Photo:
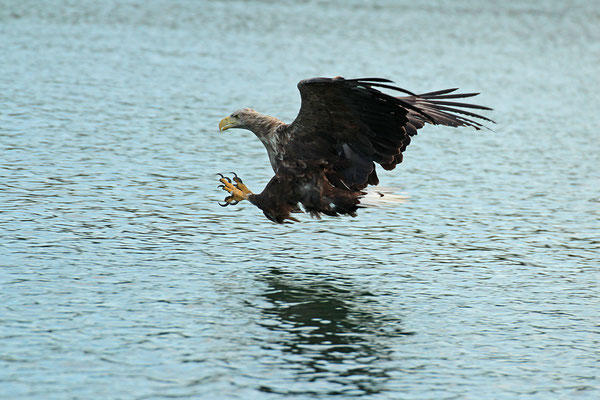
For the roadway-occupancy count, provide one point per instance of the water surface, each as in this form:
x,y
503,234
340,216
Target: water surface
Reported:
x,y
123,278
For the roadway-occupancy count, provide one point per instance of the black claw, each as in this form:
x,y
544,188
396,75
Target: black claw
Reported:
x,y
220,186
234,174
224,177
237,178
233,204
223,205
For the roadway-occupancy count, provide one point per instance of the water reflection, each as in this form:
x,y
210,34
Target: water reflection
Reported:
x,y
334,336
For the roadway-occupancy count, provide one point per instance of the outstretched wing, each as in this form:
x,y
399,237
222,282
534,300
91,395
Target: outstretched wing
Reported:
x,y
349,124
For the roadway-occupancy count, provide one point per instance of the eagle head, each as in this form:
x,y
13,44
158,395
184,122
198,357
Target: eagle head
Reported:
x,y
242,119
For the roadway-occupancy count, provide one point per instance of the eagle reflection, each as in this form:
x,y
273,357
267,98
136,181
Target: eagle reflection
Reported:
x,y
333,335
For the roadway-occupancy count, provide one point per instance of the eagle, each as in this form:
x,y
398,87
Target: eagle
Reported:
x,y
327,156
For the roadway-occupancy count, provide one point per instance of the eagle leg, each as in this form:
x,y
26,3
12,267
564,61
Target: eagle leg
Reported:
x,y
238,191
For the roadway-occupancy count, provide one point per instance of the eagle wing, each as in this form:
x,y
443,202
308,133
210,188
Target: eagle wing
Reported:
x,y
349,125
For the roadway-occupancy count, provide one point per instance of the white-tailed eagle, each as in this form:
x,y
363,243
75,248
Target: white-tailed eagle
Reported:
x,y
326,157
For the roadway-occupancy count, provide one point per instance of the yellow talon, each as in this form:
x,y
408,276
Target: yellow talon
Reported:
x,y
240,185
239,191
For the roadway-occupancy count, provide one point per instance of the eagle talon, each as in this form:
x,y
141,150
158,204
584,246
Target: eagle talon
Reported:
x,y
238,190
229,200
224,177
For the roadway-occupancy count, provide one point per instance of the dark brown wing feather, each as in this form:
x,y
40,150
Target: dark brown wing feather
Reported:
x,y
349,125
443,112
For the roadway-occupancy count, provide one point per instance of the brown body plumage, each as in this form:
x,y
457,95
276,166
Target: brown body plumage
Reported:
x,y
326,157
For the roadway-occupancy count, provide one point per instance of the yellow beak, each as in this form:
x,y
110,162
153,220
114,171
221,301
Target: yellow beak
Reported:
x,y
228,122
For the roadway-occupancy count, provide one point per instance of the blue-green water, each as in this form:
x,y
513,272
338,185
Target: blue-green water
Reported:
x,y
122,277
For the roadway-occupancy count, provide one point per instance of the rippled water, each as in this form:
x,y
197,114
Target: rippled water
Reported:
x,y
123,278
